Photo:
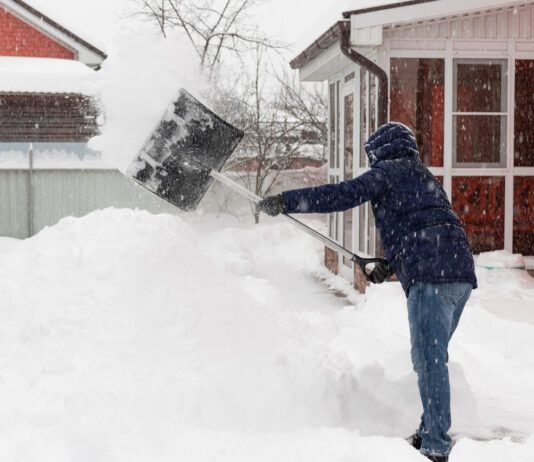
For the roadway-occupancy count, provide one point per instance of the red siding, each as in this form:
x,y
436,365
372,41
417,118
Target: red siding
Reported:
x,y
20,39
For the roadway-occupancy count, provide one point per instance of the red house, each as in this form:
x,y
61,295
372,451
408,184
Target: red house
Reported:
x,y
43,63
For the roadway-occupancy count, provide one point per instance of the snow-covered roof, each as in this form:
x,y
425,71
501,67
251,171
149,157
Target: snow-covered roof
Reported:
x,y
45,75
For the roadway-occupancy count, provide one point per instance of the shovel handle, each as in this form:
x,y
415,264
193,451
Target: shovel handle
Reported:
x,y
360,261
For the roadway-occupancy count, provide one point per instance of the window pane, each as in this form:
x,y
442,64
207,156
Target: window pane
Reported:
x,y
363,117
361,229
371,240
332,125
347,234
479,203
417,95
348,112
349,136
480,139
333,218
372,104
524,215
524,114
338,128
480,86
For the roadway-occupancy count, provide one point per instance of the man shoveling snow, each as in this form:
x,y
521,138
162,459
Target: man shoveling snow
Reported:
x,y
426,248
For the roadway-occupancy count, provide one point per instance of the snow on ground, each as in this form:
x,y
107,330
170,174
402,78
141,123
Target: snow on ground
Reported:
x,y
128,336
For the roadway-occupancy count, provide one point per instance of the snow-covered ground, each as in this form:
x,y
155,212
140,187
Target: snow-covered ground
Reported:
x,y
127,336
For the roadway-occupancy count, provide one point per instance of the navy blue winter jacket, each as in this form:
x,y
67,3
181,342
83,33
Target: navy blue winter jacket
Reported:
x,y
422,237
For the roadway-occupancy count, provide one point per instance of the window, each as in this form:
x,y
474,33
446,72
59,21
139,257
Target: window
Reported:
x,y
524,215
332,131
479,203
479,113
363,117
417,92
524,114
333,218
348,170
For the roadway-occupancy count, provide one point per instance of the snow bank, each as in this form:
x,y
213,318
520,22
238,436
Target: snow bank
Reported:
x,y
134,337
140,78
500,259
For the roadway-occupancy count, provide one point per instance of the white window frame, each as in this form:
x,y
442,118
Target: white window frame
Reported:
x,y
504,123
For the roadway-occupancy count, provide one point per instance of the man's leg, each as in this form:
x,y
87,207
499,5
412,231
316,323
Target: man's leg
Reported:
x,y
433,312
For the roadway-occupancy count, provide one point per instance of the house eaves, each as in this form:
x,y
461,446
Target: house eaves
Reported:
x,y
87,53
326,40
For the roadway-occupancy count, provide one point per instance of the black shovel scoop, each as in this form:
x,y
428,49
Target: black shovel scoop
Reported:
x,y
186,152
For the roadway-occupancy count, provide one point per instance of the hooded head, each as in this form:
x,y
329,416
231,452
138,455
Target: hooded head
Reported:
x,y
391,141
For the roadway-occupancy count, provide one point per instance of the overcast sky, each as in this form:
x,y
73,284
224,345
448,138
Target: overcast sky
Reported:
x,y
298,22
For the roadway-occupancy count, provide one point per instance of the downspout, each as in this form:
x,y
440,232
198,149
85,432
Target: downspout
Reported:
x,y
370,66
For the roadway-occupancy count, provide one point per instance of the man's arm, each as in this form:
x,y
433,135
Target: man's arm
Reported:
x,y
337,197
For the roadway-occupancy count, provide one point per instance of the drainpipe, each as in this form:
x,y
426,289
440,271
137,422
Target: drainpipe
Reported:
x,y
370,66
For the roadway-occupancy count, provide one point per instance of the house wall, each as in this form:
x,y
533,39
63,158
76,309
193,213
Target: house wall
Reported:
x,y
17,38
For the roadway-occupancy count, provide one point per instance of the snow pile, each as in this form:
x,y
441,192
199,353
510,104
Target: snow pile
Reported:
x,y
134,337
142,75
501,259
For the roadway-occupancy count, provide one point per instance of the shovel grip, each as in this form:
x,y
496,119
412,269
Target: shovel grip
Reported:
x,y
363,262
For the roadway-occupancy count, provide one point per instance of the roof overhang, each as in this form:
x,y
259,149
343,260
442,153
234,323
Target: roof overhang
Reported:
x,y
366,26
323,57
86,53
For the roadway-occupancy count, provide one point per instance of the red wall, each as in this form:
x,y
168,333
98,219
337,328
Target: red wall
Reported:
x,y
19,39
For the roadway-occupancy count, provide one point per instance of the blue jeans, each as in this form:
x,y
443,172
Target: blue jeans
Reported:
x,y
433,312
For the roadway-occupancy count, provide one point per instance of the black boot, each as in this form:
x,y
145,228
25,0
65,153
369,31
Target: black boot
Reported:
x,y
415,440
437,458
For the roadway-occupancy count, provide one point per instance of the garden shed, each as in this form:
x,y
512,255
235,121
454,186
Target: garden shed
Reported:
x,y
461,76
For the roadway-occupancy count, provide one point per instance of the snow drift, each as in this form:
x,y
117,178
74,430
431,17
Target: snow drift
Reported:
x,y
128,336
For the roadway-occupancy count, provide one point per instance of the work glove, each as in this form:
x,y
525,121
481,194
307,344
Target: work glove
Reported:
x,y
271,205
381,273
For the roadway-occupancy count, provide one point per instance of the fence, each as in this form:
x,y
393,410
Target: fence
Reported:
x,y
31,199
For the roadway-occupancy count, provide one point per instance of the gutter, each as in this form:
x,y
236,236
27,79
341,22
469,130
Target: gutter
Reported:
x,y
331,36
373,68
340,31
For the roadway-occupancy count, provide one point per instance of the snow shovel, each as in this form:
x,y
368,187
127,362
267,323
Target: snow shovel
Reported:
x,y
186,152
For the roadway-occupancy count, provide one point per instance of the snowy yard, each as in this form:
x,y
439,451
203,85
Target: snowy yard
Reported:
x,y
129,337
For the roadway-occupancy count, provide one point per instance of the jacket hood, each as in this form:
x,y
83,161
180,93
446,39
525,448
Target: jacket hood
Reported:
x,y
391,141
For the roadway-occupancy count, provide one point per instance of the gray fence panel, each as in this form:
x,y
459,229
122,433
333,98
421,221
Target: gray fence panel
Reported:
x,y
14,203
60,193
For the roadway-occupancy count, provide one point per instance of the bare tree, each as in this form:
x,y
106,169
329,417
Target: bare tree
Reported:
x,y
279,121
212,26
